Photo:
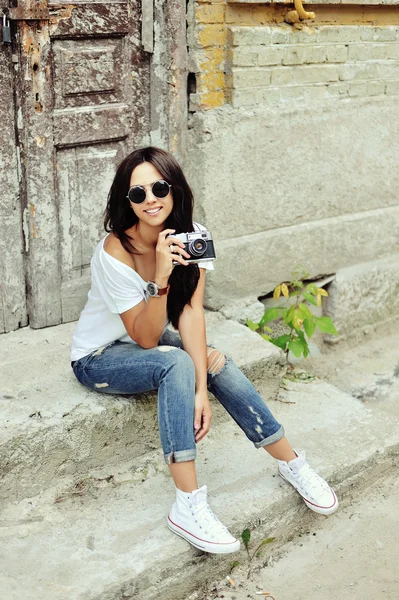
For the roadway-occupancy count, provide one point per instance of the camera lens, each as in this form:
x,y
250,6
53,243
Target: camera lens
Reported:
x,y
197,247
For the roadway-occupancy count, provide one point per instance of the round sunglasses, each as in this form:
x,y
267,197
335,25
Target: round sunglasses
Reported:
x,y
137,194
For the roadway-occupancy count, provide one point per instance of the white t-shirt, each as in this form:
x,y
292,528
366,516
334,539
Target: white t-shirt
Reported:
x,y
115,288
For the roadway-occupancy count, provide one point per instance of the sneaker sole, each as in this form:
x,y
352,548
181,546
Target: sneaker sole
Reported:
x,y
212,548
321,510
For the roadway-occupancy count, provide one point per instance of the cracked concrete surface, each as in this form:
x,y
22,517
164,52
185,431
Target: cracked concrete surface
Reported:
x,y
353,556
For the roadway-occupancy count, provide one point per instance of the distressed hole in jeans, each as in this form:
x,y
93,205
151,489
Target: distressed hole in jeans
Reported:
x,y
101,385
216,360
257,415
166,348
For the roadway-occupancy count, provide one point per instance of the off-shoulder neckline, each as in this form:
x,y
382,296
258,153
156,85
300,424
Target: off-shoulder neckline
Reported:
x,y
119,261
124,264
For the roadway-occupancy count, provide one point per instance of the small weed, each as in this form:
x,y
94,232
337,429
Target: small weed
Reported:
x,y
246,538
233,565
298,317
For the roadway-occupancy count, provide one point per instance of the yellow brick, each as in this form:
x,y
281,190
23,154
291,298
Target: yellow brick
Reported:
x,y
255,14
210,82
210,1
212,35
216,54
210,13
212,100
213,59
210,67
263,14
239,15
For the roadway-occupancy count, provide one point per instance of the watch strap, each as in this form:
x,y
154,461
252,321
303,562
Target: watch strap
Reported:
x,y
160,291
163,291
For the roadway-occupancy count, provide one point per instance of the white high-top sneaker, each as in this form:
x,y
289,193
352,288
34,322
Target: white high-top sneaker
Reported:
x,y
316,492
192,519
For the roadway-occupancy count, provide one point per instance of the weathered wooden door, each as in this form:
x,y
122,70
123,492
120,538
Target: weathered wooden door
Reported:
x,y
83,101
82,84
12,278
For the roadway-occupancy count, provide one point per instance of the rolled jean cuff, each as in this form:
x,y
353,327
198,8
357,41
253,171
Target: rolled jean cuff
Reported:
x,y
280,433
180,456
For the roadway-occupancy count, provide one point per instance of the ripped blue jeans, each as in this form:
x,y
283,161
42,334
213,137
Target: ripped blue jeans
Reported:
x,y
124,368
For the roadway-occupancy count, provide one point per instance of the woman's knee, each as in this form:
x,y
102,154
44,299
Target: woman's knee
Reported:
x,y
216,360
183,362
178,361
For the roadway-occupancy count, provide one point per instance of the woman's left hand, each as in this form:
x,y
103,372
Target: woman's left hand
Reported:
x,y
202,415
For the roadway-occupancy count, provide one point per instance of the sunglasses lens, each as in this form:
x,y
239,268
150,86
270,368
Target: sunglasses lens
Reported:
x,y
160,189
137,195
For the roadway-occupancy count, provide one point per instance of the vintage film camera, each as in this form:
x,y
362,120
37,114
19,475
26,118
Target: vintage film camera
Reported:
x,y
198,244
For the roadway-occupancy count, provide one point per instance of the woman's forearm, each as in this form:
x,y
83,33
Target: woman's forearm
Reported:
x,y
150,322
192,331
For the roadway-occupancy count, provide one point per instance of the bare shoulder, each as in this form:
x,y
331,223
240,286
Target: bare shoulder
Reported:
x,y
113,246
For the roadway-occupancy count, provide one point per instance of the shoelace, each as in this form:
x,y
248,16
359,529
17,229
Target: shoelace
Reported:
x,y
309,477
210,521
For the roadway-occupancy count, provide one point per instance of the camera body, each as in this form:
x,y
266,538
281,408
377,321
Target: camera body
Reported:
x,y
198,244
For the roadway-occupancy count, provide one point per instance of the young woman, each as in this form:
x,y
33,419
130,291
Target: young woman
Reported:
x,y
140,281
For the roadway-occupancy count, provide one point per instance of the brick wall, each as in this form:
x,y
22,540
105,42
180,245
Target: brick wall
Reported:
x,y
207,38
244,54
298,163
280,64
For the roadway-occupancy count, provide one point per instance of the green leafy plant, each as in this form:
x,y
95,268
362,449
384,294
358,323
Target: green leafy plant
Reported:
x,y
298,316
246,538
234,564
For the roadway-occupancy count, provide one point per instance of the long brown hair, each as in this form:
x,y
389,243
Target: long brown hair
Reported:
x,y
118,217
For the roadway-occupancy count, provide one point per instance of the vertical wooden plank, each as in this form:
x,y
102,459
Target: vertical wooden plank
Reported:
x,y
177,81
12,278
43,272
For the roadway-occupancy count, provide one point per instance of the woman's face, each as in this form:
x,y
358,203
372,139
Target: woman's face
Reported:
x,y
153,211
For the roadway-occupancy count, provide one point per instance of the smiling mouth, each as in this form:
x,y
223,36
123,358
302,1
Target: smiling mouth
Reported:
x,y
153,211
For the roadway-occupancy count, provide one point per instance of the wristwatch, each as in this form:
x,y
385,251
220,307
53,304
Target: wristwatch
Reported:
x,y
155,291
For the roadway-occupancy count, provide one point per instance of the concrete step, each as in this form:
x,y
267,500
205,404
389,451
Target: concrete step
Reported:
x,y
52,427
107,538
363,300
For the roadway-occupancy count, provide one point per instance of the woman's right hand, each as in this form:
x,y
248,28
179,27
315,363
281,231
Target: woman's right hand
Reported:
x,y
164,256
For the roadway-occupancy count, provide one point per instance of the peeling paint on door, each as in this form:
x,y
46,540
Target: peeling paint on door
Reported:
x,y
82,82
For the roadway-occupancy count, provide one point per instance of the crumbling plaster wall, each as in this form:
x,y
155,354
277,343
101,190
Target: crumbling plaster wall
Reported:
x,y
293,142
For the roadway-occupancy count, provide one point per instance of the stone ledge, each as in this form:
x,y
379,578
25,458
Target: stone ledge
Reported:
x,y
361,297
52,427
359,236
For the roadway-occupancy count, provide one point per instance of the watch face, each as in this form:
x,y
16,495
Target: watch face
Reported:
x,y
152,289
